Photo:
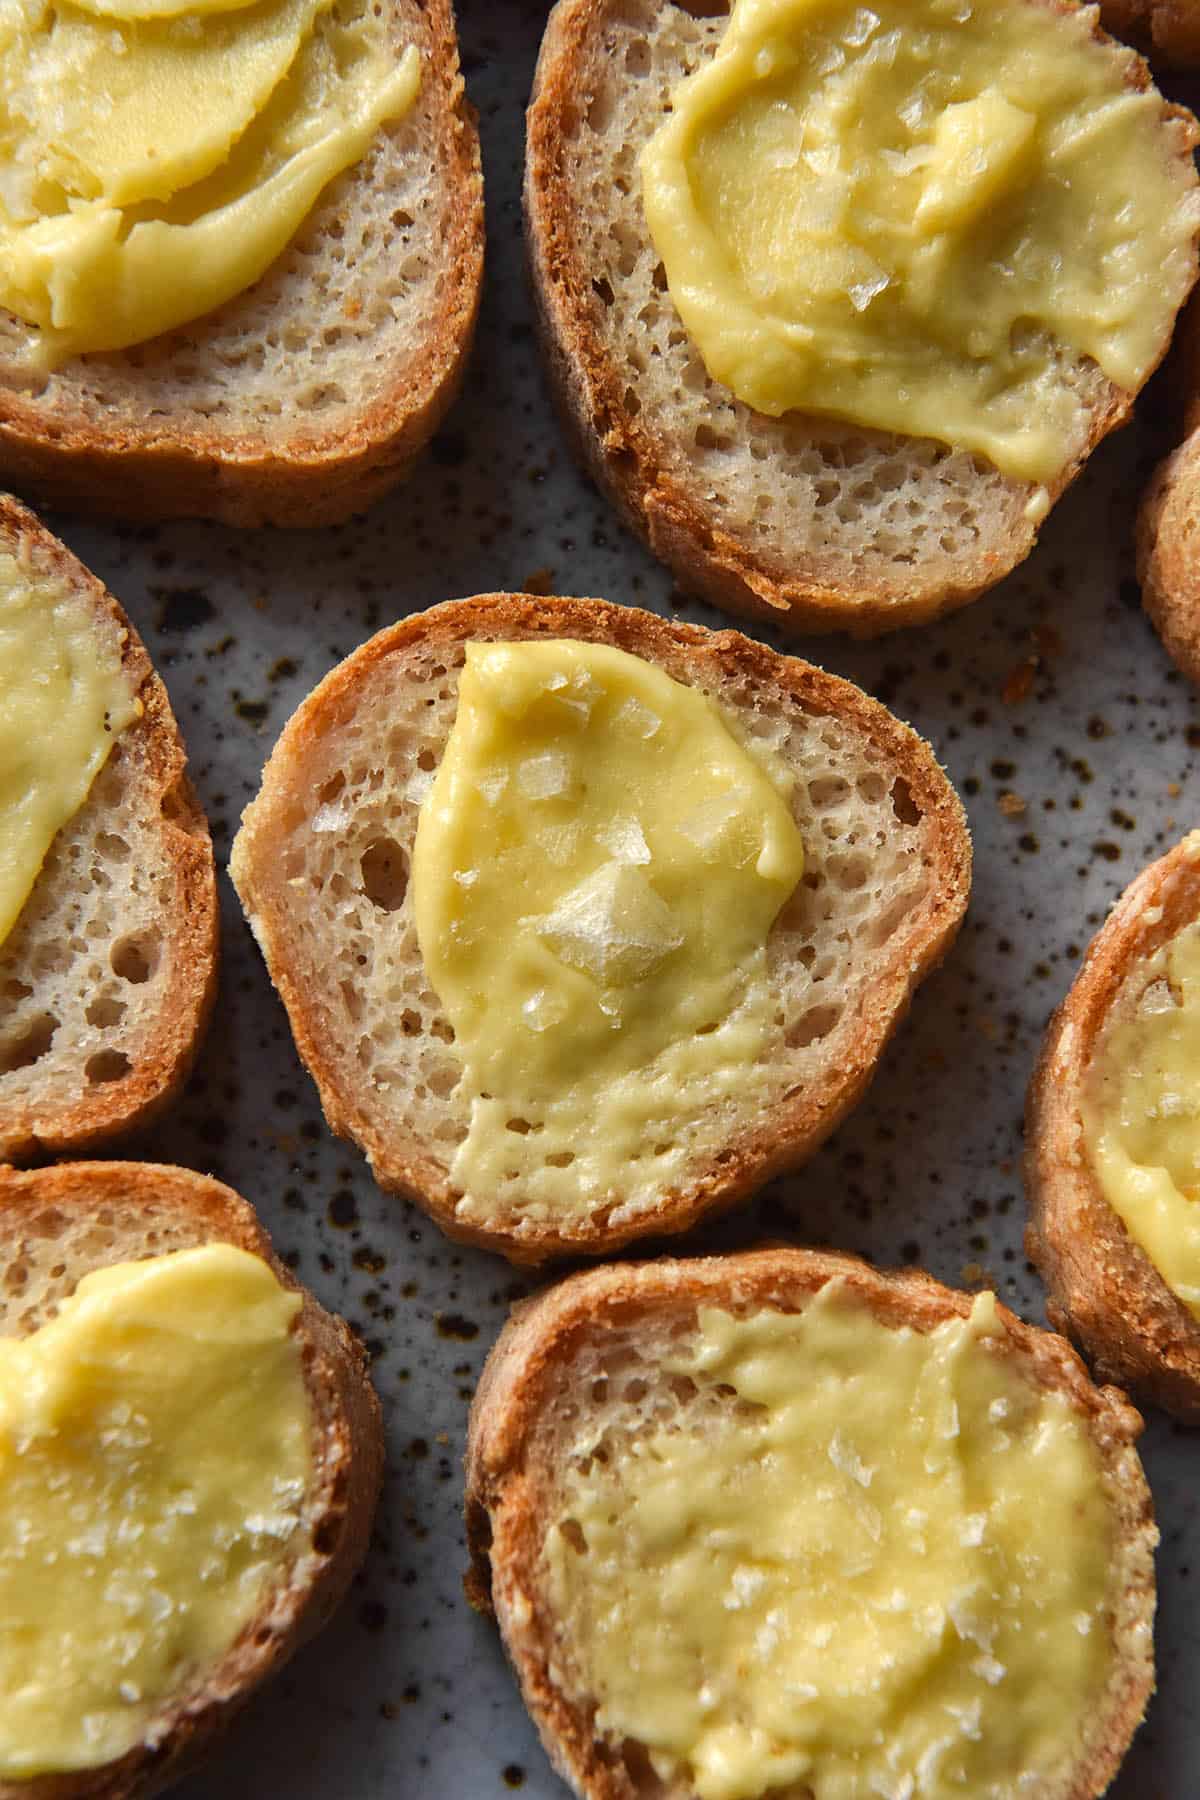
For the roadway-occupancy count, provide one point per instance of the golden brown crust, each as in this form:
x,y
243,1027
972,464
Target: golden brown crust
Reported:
x,y
348,1459
794,1128
619,450
529,1374
1103,1287
191,921
76,459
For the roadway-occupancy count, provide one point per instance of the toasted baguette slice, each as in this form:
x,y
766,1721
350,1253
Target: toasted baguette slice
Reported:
x,y
584,1359
815,524
1168,526
1168,31
305,398
884,890
1103,1288
108,976
58,1224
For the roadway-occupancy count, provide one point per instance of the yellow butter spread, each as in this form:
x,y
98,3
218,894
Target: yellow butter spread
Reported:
x,y
156,157
154,1455
866,1561
1141,1114
596,869
63,701
908,213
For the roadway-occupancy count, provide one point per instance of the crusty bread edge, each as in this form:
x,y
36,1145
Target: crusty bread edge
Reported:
x,y
77,461
1166,554
618,451
152,1083
797,1127
349,1454
1102,1286
530,1365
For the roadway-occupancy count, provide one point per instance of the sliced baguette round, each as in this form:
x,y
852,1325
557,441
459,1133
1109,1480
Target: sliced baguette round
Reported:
x,y
1103,1288
321,865
813,523
58,1224
108,976
308,396
1168,525
569,1355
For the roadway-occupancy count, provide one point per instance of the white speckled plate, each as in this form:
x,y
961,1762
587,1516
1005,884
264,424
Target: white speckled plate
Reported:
x,y
1053,689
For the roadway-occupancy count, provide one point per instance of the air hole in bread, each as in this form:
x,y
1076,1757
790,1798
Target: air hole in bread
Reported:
x,y
134,959
903,804
114,848
560,1159
832,790
572,1531
105,1011
850,872
815,1024
602,289
520,1126
384,869
16,990
106,1065
28,1044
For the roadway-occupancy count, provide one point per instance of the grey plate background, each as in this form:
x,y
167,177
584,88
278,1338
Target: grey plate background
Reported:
x,y
1052,688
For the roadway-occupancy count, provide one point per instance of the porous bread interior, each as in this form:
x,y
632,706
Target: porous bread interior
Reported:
x,y
312,346
616,1387
864,502
86,972
348,821
57,1246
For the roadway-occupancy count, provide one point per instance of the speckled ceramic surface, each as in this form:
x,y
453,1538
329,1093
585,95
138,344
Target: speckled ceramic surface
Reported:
x,y
1075,747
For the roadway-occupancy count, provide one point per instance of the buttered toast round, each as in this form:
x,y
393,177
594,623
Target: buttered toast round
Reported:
x,y
717,1568
327,868
68,1223
1111,1140
109,972
310,393
807,520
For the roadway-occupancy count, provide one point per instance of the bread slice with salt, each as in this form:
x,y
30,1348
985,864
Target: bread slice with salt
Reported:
x,y
588,1372
815,524
322,863
59,1224
308,396
1103,1288
108,976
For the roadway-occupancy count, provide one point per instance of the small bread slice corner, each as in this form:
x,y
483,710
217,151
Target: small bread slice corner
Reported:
x,y
1102,1287
59,1223
877,816
109,974
806,521
565,1356
307,397
1165,31
1168,523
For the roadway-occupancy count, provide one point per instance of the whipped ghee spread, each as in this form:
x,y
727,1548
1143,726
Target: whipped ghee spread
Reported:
x,y
1140,1106
154,1455
596,869
864,1560
64,700
155,157
918,214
